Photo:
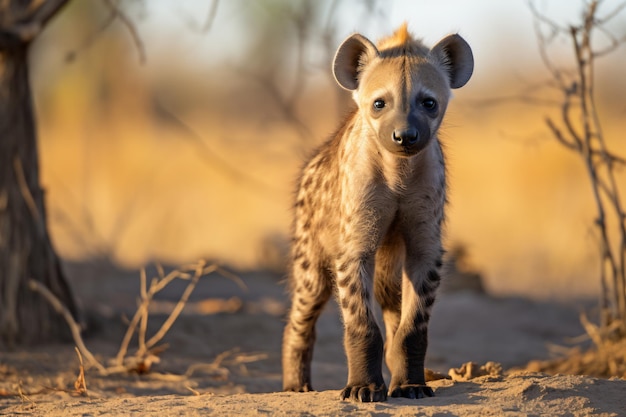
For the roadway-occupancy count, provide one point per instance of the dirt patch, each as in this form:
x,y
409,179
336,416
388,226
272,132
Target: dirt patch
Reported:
x,y
222,357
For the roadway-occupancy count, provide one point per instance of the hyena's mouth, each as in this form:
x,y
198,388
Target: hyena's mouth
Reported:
x,y
411,150
404,151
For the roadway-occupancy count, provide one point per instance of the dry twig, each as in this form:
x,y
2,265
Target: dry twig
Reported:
x,y
91,38
114,13
148,352
211,17
74,327
131,29
80,385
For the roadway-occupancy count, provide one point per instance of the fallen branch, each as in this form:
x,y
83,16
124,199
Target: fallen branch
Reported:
x,y
147,353
200,271
58,306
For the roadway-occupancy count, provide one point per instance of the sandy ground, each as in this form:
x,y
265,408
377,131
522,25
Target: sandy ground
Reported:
x,y
223,357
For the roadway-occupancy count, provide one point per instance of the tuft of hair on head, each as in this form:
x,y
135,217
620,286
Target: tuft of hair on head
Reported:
x,y
401,37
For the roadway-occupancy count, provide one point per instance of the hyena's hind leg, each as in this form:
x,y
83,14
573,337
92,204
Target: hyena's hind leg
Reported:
x,y
387,290
311,289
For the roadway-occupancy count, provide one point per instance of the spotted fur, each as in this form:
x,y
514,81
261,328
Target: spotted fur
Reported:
x,y
369,212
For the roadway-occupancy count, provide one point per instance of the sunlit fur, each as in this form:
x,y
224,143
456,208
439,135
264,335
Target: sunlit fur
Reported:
x,y
401,38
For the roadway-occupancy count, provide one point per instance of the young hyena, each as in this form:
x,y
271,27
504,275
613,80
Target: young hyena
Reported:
x,y
369,212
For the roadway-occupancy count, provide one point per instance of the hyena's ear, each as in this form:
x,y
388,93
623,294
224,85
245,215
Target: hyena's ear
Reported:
x,y
455,55
353,54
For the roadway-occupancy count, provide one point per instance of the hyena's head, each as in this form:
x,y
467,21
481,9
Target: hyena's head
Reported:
x,y
401,87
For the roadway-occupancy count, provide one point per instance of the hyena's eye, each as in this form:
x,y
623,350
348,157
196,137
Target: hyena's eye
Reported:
x,y
429,104
379,104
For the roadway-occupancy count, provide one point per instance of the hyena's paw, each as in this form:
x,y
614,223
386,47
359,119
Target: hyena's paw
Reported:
x,y
298,388
364,393
412,391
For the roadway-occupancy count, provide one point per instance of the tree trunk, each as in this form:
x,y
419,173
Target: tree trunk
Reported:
x,y
25,248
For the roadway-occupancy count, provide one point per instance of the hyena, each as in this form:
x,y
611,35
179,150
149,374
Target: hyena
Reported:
x,y
369,212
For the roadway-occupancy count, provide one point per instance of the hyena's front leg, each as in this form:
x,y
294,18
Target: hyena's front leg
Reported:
x,y
419,283
362,339
311,290
388,289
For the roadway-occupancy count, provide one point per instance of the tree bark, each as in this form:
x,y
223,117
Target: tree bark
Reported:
x,y
25,248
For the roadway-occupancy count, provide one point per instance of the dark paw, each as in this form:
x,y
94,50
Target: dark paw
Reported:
x,y
298,388
412,391
364,393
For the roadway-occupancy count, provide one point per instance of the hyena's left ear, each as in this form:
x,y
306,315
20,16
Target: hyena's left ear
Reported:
x,y
455,55
353,54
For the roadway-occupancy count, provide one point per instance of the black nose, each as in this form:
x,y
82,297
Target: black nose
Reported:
x,y
405,137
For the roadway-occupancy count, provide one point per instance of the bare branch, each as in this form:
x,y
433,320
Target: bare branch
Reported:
x,y
130,330
603,155
565,115
131,29
559,135
179,306
609,16
608,191
24,27
45,11
610,158
146,352
143,323
583,135
544,19
91,38
614,43
227,274
58,306
211,17
542,42
26,193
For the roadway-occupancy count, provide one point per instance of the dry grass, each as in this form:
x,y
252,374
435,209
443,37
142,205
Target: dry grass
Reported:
x,y
606,358
606,361
79,388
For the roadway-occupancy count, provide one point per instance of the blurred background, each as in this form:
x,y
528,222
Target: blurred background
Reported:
x,y
185,141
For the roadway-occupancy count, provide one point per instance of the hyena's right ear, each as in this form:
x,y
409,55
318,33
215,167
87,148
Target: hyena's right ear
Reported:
x,y
456,58
353,54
